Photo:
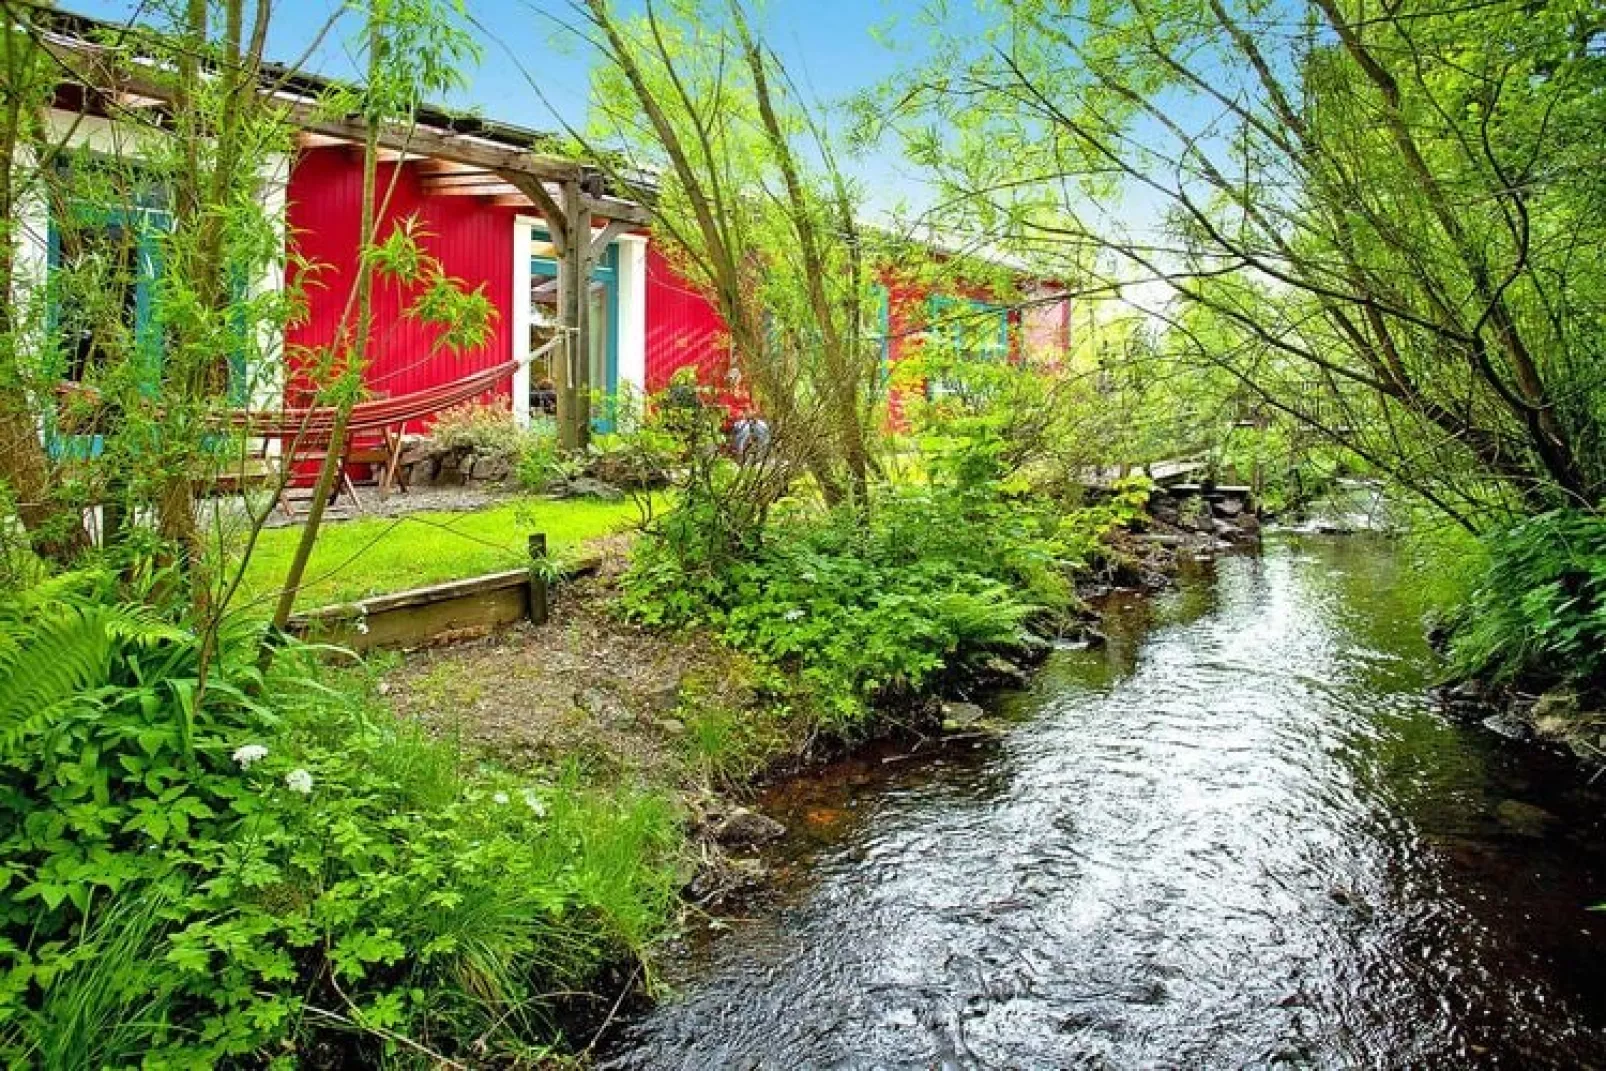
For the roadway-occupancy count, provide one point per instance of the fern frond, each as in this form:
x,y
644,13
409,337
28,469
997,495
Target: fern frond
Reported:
x,y
58,647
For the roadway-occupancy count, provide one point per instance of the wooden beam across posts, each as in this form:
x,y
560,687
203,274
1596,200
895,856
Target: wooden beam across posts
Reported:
x,y
430,166
480,189
433,180
613,209
604,238
420,141
305,140
113,72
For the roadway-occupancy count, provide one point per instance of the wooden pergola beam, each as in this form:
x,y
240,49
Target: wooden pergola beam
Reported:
x,y
618,211
479,189
305,140
448,167
448,179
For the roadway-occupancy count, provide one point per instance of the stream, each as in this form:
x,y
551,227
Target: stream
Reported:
x,y
1237,836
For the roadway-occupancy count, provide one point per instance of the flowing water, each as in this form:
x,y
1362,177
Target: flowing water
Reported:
x,y
1238,836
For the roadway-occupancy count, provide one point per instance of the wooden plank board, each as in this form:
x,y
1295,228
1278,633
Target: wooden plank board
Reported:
x,y
454,610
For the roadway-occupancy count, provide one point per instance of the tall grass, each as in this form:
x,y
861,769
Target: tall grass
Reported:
x,y
103,1010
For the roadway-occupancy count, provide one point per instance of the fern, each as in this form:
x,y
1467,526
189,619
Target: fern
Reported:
x,y
58,648
987,618
1539,611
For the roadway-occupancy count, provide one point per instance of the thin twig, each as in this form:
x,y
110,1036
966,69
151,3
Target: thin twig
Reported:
x,y
623,992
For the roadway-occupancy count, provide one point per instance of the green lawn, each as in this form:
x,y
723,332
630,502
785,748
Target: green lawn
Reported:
x,y
355,559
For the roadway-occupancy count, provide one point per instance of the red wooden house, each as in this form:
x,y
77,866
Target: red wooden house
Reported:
x,y
647,320
499,217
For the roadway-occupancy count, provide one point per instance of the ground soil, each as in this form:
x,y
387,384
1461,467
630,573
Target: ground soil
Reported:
x,y
625,703
587,686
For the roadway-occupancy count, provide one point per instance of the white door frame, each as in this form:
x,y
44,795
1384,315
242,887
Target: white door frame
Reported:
x,y
632,296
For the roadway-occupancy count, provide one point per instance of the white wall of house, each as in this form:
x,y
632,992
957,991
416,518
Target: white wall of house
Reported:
x,y
267,381
523,226
633,315
132,142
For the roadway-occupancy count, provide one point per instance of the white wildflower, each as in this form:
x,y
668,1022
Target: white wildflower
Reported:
x,y
535,803
794,615
299,781
247,754
500,799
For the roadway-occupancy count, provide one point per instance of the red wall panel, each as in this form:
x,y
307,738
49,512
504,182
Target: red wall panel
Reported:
x,y
472,240
683,329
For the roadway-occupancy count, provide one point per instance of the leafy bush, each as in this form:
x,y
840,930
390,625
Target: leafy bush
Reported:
x,y
865,612
198,868
481,428
542,464
1539,611
871,602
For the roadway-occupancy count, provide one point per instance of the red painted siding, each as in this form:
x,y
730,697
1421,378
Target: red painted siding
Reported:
x,y
906,320
683,329
1047,332
473,241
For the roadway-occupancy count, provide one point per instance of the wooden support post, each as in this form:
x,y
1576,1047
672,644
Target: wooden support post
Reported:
x,y
573,403
540,605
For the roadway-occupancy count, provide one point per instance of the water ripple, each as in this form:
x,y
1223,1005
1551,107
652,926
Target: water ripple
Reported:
x,y
1235,838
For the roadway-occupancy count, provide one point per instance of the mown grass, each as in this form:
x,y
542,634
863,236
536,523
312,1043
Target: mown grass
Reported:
x,y
373,556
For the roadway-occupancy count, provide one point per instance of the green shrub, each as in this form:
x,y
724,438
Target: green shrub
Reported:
x,y
1539,611
872,601
541,464
480,428
200,873
865,612
1448,563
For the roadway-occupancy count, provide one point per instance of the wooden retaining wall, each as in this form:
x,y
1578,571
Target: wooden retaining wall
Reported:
x,y
440,613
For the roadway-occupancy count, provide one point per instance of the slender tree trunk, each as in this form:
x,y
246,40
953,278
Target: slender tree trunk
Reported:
x,y
55,530
351,364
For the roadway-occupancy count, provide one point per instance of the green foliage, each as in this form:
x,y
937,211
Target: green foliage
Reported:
x,y
201,869
1539,611
872,604
1292,183
729,738
487,429
868,612
866,618
1448,564
542,464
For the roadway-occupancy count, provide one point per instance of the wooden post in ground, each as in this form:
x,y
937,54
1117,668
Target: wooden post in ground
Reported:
x,y
574,285
540,607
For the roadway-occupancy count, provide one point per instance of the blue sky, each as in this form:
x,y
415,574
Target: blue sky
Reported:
x,y
831,48
828,47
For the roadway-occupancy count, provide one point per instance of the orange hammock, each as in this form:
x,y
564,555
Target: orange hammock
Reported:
x,y
319,421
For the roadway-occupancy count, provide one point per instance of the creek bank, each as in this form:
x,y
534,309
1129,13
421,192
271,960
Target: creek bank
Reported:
x,y
1562,718
684,714
686,717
